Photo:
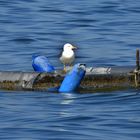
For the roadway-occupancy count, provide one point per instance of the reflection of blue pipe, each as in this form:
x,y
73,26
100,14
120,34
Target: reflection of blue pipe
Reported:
x,y
41,64
73,79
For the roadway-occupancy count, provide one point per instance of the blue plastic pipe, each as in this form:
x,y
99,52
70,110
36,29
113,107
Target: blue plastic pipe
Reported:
x,y
41,64
73,79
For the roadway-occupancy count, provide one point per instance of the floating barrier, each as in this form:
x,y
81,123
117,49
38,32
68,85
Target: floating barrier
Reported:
x,y
95,79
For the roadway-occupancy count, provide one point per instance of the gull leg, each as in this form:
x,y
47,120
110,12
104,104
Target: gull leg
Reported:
x,y
71,65
64,67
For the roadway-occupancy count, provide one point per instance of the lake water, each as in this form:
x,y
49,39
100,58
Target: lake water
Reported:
x,y
106,32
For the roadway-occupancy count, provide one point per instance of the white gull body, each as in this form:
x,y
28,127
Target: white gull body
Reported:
x,y
68,56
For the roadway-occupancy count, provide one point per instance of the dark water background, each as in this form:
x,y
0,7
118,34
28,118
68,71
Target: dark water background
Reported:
x,y
107,32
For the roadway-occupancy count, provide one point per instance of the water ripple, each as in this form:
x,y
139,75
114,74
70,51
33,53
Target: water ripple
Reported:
x,y
106,33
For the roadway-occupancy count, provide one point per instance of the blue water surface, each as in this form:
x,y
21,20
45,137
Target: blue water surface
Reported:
x,y
106,32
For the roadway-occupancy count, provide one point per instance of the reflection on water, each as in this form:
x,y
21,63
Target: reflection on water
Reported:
x,y
68,98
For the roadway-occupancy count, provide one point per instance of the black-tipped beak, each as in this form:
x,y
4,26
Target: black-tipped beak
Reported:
x,y
74,48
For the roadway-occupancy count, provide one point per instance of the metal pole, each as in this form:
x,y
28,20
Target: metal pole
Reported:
x,y
137,68
137,59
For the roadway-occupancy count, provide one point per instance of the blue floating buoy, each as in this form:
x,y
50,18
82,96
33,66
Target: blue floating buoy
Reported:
x,y
73,79
41,64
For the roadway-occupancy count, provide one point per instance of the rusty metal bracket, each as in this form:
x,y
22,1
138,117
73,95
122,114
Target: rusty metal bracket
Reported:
x,y
137,70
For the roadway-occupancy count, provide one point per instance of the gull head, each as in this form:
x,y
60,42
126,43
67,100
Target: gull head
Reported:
x,y
68,46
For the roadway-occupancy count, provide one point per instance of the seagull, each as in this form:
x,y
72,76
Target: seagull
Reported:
x,y
68,56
